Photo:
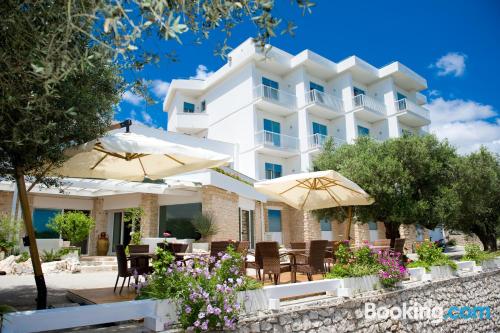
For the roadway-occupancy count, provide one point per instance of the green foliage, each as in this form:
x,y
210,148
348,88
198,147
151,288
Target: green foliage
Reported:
x,y
133,217
205,224
429,254
9,232
410,179
23,257
72,226
207,298
473,252
451,242
478,186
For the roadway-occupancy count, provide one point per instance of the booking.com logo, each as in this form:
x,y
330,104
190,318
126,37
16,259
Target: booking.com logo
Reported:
x,y
417,311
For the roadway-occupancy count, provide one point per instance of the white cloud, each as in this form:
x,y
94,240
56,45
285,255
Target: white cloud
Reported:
x,y
434,93
202,73
132,98
148,120
466,124
159,88
452,63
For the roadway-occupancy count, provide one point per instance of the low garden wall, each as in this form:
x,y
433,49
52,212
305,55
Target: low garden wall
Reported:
x,y
347,315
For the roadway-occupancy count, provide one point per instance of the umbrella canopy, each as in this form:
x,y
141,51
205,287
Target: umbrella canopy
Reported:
x,y
132,157
315,190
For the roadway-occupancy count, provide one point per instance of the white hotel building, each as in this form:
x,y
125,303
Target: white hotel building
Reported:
x,y
278,108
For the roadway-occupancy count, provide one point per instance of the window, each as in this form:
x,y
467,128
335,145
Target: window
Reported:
x,y
272,130
358,91
176,219
363,131
315,86
372,225
401,101
325,224
320,132
270,88
41,217
188,107
203,106
273,170
274,220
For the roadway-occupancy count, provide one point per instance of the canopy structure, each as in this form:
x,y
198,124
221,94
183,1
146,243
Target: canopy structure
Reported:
x,y
133,157
316,190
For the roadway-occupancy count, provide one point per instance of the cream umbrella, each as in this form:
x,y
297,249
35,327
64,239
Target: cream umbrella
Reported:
x,y
133,157
316,190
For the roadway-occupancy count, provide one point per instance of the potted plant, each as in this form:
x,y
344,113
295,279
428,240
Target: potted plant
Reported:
x,y
72,226
133,218
206,226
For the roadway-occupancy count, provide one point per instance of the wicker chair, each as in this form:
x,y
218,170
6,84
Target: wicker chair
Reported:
x,y
315,260
123,270
299,246
399,245
271,263
242,248
257,262
218,247
330,254
140,264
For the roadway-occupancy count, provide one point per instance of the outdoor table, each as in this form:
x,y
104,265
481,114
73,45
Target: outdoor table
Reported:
x,y
142,254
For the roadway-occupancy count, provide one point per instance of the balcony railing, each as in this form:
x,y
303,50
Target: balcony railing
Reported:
x,y
274,95
406,105
276,140
318,140
315,96
369,103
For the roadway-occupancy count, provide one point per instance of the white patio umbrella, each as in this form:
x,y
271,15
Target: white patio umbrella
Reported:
x,y
133,157
316,190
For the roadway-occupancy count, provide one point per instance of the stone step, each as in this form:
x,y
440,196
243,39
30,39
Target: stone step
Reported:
x,y
98,258
101,268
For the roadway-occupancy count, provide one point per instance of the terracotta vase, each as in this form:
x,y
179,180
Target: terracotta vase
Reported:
x,y
102,244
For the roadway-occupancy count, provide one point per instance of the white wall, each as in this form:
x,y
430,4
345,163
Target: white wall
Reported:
x,y
121,201
58,202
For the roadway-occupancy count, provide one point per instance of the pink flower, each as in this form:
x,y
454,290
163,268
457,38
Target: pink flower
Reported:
x,y
166,234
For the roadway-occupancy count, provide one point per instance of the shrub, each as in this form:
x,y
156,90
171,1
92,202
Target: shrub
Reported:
x,y
392,270
452,242
429,254
133,217
473,252
9,231
23,257
207,299
205,225
72,226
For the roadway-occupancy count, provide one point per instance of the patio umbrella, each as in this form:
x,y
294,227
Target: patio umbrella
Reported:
x,y
133,157
316,190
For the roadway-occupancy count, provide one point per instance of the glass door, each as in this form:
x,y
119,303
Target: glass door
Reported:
x,y
272,132
247,227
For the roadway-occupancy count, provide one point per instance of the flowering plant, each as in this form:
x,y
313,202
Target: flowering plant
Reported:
x,y
205,288
392,270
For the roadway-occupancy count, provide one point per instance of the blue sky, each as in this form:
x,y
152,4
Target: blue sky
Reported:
x,y
453,44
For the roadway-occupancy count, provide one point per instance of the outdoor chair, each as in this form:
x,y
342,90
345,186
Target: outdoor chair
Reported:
x,y
242,248
299,246
315,260
138,248
399,245
123,270
330,254
257,262
177,248
139,262
268,258
218,247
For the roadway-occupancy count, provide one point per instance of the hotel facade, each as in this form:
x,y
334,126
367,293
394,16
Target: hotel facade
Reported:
x,y
271,111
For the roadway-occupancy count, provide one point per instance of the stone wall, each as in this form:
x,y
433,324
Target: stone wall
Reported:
x,y
5,202
101,222
150,220
347,315
223,205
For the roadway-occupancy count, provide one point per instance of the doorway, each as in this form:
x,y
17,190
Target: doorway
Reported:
x,y
247,226
120,231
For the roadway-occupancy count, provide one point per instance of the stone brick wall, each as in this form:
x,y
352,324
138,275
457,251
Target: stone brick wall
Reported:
x,y
5,202
150,220
101,224
293,222
223,205
463,239
347,315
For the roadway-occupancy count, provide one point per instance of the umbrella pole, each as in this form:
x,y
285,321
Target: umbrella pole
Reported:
x,y
349,222
41,300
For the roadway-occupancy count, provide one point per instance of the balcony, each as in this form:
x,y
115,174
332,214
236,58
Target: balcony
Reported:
x,y
278,101
412,114
316,141
190,122
368,108
276,144
323,105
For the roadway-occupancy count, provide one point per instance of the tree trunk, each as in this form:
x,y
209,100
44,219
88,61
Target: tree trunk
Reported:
x,y
41,300
349,223
488,240
392,232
